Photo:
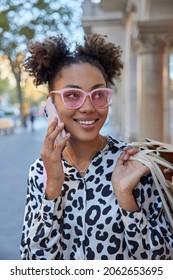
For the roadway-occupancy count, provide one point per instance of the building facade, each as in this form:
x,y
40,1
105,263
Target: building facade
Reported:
x,y
142,103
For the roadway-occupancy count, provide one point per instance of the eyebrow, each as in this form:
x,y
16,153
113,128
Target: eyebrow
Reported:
x,y
94,87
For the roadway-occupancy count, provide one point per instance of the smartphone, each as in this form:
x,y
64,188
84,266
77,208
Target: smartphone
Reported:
x,y
50,113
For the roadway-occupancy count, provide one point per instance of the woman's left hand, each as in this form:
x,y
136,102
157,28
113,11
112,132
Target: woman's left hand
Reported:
x,y
126,176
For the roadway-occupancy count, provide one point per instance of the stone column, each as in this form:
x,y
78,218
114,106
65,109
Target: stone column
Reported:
x,y
151,79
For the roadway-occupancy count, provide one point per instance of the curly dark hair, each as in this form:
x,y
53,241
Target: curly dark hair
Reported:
x,y
47,59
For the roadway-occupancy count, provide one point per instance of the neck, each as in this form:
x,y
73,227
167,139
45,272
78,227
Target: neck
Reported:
x,y
79,154
84,149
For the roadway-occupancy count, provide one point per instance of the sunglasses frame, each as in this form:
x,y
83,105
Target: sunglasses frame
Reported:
x,y
61,92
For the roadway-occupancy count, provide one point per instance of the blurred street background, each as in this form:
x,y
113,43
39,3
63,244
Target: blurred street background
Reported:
x,y
17,152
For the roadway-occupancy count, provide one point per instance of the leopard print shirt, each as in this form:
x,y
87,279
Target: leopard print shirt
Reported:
x,y
86,222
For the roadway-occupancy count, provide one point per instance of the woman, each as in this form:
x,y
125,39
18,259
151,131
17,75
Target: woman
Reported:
x,y
85,199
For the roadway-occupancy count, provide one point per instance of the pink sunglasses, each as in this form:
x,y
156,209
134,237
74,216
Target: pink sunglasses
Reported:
x,y
74,98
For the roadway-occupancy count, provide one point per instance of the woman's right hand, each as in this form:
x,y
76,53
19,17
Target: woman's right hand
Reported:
x,y
51,156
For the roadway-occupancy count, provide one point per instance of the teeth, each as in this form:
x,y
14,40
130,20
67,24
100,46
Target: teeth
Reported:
x,y
86,122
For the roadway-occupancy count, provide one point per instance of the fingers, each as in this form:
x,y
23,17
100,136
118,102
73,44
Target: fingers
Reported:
x,y
53,131
130,151
52,127
121,160
125,155
61,145
50,146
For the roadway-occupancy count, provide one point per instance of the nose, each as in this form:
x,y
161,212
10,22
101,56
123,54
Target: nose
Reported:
x,y
87,106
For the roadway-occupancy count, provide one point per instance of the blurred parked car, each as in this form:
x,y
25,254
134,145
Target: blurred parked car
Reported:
x,y
1,113
11,111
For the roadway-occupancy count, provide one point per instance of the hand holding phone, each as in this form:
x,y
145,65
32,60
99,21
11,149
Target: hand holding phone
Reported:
x,y
50,113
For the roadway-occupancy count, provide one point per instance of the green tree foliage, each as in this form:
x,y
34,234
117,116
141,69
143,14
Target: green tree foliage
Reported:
x,y
21,21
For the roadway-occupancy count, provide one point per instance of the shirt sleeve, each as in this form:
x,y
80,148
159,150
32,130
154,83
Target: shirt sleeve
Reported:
x,y
42,219
148,227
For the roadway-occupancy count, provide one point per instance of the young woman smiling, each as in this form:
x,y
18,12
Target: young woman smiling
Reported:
x,y
85,198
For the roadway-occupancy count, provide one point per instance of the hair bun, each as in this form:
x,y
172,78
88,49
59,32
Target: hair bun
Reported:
x,y
42,62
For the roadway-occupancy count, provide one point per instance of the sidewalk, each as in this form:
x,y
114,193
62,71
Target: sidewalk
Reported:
x,y
17,152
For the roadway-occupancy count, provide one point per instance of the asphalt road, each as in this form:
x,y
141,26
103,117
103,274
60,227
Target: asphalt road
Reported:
x,y
17,152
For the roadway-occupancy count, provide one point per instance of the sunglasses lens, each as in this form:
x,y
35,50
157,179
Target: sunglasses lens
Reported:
x,y
101,98
73,98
